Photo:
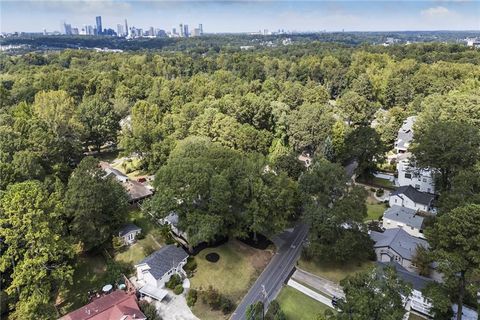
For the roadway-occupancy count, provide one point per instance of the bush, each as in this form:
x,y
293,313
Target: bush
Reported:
x,y
217,301
379,192
190,266
149,310
118,244
192,296
174,281
226,305
140,236
178,289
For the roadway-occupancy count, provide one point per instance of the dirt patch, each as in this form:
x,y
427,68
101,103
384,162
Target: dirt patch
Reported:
x,y
212,257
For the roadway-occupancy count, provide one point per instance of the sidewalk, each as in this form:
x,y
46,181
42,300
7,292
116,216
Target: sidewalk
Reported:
x,y
309,292
325,286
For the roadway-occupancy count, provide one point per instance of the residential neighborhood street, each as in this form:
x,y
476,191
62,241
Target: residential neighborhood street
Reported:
x,y
268,285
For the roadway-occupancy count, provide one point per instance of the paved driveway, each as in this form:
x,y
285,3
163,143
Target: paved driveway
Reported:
x,y
174,307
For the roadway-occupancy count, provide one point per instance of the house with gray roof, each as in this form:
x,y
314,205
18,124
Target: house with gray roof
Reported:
x,y
396,245
408,219
409,197
156,269
129,233
405,135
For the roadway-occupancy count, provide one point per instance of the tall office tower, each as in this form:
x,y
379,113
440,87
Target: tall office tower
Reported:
x,y
126,28
68,29
200,26
74,31
151,32
99,24
44,31
174,30
90,31
120,32
181,30
185,30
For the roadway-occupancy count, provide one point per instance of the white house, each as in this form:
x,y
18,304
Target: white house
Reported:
x,y
396,245
172,221
156,269
404,218
129,233
404,135
409,175
409,197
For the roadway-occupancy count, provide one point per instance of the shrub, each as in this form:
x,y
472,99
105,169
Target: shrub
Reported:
x,y
174,281
190,266
178,289
226,305
192,296
140,236
379,192
149,310
118,244
217,301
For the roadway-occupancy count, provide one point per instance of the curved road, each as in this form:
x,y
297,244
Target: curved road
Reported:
x,y
269,283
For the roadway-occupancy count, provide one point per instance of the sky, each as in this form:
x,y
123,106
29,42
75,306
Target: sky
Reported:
x,y
244,16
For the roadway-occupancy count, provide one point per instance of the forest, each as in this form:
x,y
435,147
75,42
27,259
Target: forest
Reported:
x,y
221,130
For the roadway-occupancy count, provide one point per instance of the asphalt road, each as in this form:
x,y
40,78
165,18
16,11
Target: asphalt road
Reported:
x,y
270,282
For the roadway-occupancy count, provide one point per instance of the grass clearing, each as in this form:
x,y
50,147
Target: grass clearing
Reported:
x,y
383,182
297,305
232,275
415,317
90,273
332,272
375,211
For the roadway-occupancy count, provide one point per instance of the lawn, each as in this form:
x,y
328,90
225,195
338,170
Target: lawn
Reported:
x,y
297,305
139,250
128,166
383,182
90,273
331,272
415,317
232,275
375,211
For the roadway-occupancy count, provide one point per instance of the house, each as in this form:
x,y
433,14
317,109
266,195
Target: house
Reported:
x,y
114,306
417,302
409,175
409,197
306,158
136,191
396,245
156,269
172,221
404,218
404,135
129,233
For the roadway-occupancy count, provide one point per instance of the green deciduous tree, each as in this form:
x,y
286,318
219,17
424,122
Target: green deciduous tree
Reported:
x,y
447,146
35,250
374,295
95,205
455,245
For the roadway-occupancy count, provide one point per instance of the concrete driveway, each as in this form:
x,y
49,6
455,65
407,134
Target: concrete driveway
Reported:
x,y
174,307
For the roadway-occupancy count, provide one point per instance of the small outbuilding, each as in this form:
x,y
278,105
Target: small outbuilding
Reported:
x,y
129,233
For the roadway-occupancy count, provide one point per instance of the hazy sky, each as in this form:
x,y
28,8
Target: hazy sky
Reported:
x,y
241,16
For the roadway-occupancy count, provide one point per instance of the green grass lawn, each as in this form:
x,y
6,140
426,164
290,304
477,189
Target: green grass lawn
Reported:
x,y
232,275
374,211
298,306
383,182
89,275
333,273
415,317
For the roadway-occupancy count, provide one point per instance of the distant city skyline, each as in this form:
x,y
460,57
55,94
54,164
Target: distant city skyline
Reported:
x,y
244,16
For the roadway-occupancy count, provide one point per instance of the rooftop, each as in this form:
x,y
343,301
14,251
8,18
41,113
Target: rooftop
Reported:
x,y
126,229
414,195
398,240
405,134
114,306
163,260
404,215
417,282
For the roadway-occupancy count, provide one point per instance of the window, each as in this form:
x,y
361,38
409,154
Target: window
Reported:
x,y
424,179
428,190
408,175
395,200
417,186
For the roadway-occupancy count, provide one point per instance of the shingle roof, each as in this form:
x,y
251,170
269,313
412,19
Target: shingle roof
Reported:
x,y
126,229
417,282
399,241
161,261
404,215
405,134
414,195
